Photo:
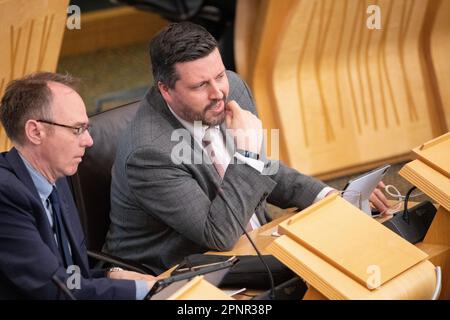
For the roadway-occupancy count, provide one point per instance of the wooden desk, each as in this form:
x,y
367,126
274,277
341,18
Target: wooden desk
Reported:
x,y
262,237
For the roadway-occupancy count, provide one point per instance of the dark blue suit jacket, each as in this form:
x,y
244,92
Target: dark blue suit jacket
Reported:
x,y
28,253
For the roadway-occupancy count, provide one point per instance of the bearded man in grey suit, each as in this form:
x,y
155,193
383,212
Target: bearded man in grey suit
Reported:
x,y
165,203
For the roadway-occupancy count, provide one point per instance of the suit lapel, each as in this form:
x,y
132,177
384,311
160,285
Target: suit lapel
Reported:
x,y
17,165
68,223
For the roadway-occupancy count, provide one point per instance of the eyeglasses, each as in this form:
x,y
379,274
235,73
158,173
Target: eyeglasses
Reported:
x,y
78,131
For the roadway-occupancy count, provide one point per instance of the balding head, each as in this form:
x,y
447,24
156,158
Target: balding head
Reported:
x,y
30,98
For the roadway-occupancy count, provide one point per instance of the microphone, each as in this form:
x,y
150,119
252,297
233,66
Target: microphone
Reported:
x,y
62,287
272,284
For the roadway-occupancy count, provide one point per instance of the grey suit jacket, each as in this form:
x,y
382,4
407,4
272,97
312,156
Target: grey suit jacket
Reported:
x,y
163,210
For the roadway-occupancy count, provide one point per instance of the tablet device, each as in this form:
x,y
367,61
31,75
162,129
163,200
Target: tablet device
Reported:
x,y
213,273
365,184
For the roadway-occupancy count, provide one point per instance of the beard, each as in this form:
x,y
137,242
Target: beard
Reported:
x,y
206,116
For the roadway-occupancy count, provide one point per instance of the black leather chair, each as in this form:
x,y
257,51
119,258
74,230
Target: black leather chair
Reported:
x,y
91,184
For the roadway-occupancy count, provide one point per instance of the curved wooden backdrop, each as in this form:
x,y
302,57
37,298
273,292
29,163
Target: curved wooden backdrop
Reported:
x,y
31,33
345,97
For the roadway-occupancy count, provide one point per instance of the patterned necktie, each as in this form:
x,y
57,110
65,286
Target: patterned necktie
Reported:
x,y
210,141
59,229
209,146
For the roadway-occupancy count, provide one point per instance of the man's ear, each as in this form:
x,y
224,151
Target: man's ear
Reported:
x,y
34,131
164,90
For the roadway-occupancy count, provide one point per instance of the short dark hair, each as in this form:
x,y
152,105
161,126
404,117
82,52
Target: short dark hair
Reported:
x,y
29,98
178,42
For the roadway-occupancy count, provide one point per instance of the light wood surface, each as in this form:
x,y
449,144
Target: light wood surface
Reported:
x,y
399,288
111,28
263,238
350,241
31,32
199,289
338,90
268,30
437,242
430,181
431,177
439,56
246,35
436,154
439,253
313,294
417,283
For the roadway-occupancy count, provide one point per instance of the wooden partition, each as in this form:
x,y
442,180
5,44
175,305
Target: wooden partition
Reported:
x,y
440,56
31,32
346,97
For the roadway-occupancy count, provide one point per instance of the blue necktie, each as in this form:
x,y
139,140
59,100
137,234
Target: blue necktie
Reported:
x,y
59,229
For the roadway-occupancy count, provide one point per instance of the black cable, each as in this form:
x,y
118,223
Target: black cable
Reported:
x,y
405,208
272,284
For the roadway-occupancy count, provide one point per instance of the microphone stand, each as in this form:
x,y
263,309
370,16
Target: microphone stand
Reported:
x,y
272,284
62,287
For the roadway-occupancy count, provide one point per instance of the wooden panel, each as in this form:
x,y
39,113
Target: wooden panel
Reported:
x,y
350,240
440,54
416,283
111,28
31,32
433,183
313,294
439,229
245,35
436,154
430,174
262,237
443,260
271,25
438,238
199,289
343,95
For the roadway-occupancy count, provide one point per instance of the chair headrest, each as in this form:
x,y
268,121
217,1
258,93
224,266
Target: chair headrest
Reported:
x,y
91,184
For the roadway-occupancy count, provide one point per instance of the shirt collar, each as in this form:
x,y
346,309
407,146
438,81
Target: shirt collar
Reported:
x,y
42,185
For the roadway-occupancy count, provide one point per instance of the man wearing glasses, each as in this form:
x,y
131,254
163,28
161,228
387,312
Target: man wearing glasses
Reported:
x,y
40,232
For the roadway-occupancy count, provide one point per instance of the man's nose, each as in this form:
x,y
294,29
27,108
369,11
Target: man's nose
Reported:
x,y
215,93
87,140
